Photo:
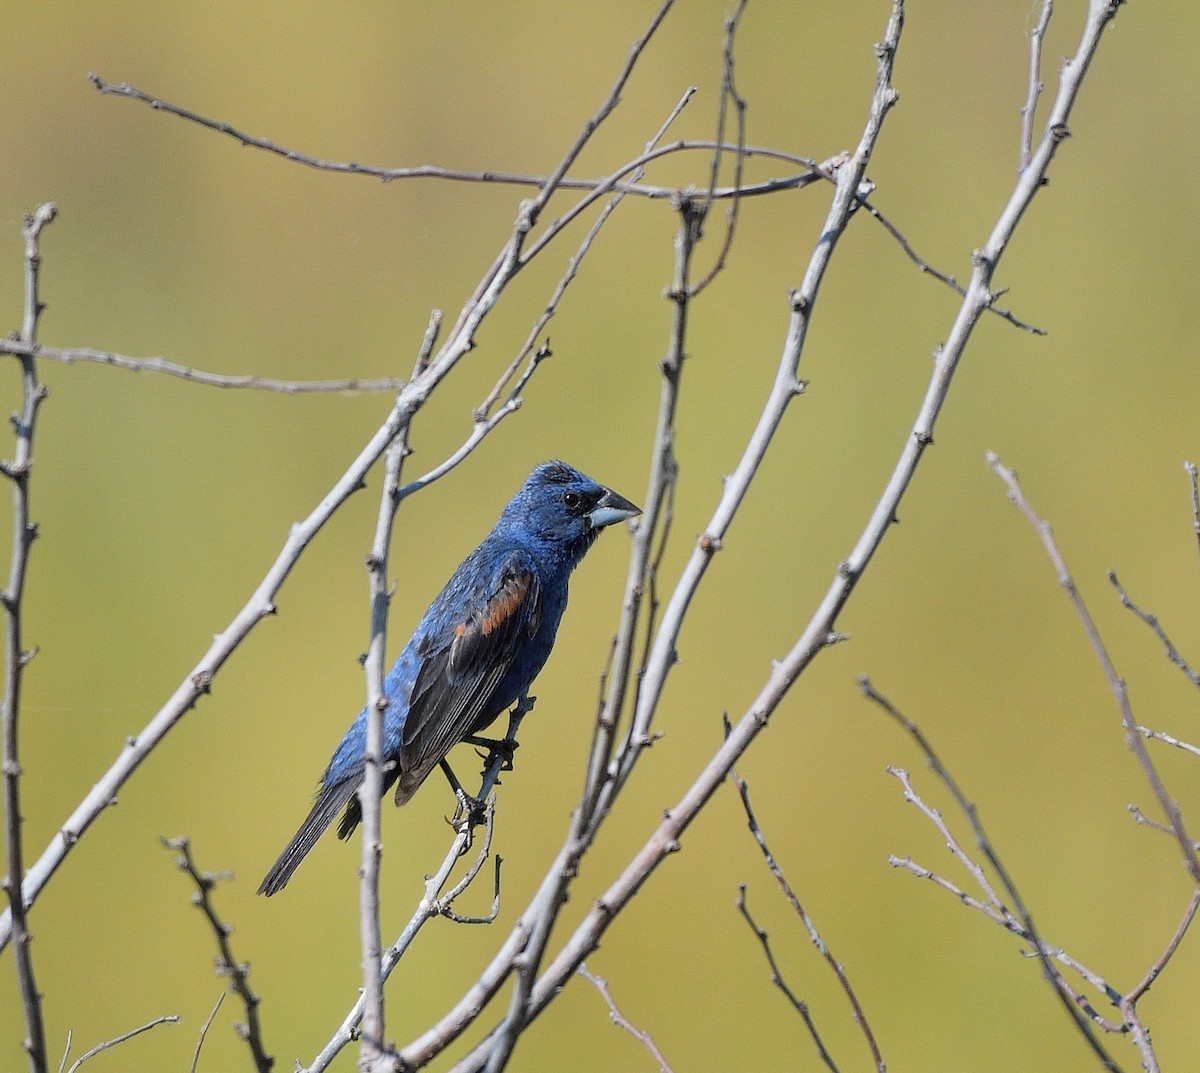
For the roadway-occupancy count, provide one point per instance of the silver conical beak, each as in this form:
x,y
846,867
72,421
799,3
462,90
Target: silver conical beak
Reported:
x,y
611,508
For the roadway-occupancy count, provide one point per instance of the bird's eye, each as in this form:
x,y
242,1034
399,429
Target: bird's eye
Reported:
x,y
571,500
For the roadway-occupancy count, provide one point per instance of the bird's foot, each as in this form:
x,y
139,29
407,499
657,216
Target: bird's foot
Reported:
x,y
505,748
469,813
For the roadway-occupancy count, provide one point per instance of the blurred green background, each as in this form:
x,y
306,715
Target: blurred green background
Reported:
x,y
161,504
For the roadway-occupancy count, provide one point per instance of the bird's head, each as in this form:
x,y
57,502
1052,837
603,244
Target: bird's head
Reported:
x,y
562,508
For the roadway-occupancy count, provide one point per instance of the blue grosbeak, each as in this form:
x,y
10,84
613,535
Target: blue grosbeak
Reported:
x,y
476,650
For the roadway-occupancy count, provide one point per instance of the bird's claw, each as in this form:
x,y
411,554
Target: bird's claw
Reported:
x,y
469,813
505,748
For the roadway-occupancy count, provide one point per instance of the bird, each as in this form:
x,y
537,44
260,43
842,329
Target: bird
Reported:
x,y
475,652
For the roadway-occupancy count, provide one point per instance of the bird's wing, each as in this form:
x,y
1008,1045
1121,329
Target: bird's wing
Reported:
x,y
456,681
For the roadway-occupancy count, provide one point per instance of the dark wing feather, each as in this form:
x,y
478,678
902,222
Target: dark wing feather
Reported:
x,y
456,683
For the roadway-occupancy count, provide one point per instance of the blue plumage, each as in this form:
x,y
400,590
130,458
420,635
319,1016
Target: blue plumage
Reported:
x,y
476,650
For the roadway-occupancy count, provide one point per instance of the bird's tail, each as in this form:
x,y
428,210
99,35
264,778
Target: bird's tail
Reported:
x,y
329,802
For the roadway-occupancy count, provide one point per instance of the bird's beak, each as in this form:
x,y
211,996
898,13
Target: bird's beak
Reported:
x,y
611,508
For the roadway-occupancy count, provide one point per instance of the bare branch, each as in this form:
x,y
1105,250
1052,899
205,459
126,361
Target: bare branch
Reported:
x,y
1190,469
937,274
100,1047
208,1023
15,655
1036,37
370,790
1152,621
1115,682
860,1017
1004,918
619,1019
1129,1000
431,171
729,94
1020,914
998,910
798,1004
446,901
569,276
1167,739
227,965
72,355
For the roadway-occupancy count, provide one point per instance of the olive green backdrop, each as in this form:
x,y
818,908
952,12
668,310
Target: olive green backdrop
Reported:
x,y
162,503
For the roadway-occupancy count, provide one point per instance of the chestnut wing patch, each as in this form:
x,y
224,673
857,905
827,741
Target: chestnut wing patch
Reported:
x,y
455,684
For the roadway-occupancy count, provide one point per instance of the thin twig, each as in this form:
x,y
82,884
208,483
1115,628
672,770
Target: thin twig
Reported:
x,y
1036,37
800,1006
1152,621
572,269
997,916
729,93
660,495
1190,470
15,655
227,965
1001,912
171,1019
1004,918
621,1021
656,517
431,171
1130,999
653,570
481,429
73,355
445,903
1142,820
937,274
208,1023
859,1015
1020,910
1167,739
1115,682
